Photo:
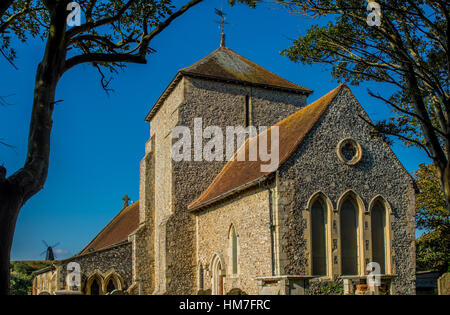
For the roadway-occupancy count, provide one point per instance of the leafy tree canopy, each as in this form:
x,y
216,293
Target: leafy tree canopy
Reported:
x,y
433,247
21,279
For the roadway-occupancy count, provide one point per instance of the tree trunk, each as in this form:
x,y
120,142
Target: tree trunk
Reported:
x,y
10,204
27,181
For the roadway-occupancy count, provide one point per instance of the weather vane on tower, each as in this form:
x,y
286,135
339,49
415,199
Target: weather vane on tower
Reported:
x,y
221,23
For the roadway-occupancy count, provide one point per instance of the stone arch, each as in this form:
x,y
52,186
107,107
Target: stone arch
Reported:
x,y
320,212
112,277
218,268
348,193
232,225
380,233
350,208
315,196
233,249
381,199
94,281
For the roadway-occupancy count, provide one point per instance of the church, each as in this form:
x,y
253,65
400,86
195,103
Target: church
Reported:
x,y
338,201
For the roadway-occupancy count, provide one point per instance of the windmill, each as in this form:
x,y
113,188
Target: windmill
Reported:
x,y
49,255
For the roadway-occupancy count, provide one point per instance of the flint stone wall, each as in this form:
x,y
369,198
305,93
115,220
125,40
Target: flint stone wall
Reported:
x,y
143,239
117,258
314,167
218,104
249,213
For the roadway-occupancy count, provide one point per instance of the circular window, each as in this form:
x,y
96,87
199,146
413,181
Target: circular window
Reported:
x,y
349,151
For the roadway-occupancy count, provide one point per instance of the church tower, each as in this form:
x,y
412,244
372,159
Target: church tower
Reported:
x,y
223,89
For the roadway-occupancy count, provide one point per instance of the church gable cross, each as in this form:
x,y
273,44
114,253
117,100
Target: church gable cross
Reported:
x,y
125,201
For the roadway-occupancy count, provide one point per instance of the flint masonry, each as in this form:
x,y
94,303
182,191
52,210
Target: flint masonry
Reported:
x,y
338,200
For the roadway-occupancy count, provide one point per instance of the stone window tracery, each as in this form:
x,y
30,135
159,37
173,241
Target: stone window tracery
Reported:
x,y
378,218
349,236
349,151
233,250
319,238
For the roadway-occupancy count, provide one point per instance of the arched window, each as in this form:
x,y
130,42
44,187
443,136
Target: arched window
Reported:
x,y
95,287
379,235
94,284
110,286
233,250
349,236
248,111
318,238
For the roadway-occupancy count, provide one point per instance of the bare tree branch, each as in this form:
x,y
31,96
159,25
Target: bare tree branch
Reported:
x,y
142,47
413,141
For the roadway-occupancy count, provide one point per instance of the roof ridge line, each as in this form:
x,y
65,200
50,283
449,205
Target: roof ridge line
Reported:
x,y
113,220
257,65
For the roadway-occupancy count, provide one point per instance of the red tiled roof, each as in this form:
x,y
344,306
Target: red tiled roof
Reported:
x,y
117,230
224,63
292,131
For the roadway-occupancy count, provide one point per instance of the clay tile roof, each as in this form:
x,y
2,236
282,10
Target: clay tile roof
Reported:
x,y
117,230
292,130
225,64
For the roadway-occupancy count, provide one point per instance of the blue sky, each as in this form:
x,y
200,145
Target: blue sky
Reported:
x,y
98,141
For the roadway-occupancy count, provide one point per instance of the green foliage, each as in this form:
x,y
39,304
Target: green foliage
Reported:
x,y
250,3
332,288
432,251
21,284
433,247
21,276
236,291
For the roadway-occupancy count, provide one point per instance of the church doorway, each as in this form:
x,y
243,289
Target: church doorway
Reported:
x,y
349,236
217,277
